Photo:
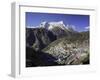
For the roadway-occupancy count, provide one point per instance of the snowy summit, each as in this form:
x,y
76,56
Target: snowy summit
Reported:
x,y
59,24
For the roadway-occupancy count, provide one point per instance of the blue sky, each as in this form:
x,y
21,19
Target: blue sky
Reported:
x,y
81,22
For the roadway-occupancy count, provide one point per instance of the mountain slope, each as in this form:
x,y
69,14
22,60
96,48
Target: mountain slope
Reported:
x,y
38,58
74,50
40,37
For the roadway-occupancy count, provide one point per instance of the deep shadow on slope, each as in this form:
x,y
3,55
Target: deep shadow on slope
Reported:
x,y
39,38
37,58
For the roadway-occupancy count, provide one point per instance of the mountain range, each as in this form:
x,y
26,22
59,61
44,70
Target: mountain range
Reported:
x,y
53,43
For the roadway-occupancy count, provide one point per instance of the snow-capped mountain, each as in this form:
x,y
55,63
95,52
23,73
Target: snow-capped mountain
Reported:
x,y
55,25
58,28
47,32
59,24
54,43
44,25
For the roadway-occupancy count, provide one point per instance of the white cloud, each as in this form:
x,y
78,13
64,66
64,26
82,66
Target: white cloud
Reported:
x,y
74,27
31,27
71,27
87,28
